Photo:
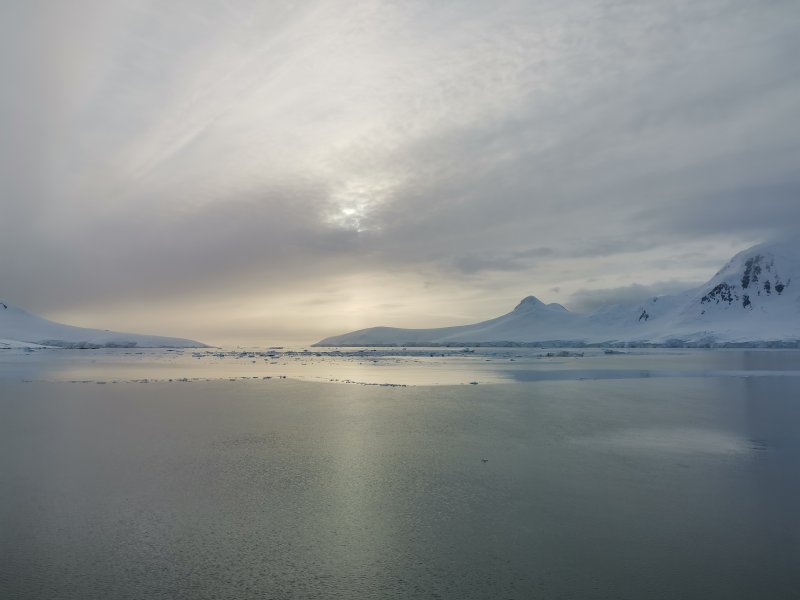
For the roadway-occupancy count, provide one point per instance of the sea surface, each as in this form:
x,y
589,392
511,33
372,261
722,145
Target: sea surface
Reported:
x,y
389,473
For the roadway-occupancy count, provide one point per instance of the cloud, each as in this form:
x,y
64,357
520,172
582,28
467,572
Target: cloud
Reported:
x,y
520,260
771,209
164,152
587,300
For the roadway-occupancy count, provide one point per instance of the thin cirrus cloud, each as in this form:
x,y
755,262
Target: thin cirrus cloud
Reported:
x,y
167,152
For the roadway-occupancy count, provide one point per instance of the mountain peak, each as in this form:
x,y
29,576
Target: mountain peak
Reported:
x,y
754,299
755,278
528,303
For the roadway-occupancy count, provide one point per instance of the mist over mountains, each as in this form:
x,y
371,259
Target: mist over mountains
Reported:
x,y
752,300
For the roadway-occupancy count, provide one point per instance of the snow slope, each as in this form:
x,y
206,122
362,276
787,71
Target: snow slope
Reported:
x,y
16,344
19,329
751,300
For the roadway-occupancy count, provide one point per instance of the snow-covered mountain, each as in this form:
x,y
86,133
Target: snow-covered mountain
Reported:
x,y
19,328
750,301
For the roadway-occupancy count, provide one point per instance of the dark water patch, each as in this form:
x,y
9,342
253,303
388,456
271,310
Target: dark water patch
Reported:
x,y
655,487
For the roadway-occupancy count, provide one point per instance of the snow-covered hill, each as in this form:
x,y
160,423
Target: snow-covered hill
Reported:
x,y
20,329
750,301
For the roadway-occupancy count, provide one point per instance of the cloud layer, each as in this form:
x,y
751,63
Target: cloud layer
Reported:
x,y
369,162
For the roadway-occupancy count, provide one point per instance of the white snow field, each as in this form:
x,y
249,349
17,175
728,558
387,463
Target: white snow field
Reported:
x,y
21,329
752,300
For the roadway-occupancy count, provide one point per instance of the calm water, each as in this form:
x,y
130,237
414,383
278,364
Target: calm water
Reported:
x,y
415,366
673,481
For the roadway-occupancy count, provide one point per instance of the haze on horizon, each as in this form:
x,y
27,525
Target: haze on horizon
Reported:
x,y
255,172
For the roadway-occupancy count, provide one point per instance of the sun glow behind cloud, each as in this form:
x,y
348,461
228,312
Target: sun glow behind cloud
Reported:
x,y
172,154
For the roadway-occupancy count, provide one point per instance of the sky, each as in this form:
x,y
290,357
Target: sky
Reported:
x,y
259,172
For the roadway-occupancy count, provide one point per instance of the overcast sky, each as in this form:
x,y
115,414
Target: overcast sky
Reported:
x,y
259,171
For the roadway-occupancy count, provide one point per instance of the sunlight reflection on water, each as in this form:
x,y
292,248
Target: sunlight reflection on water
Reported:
x,y
632,488
393,366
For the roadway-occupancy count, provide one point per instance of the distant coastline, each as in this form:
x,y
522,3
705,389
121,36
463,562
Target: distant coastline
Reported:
x,y
750,302
676,343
